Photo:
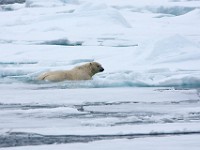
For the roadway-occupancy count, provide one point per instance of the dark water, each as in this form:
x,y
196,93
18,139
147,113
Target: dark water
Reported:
x,y
13,139
11,1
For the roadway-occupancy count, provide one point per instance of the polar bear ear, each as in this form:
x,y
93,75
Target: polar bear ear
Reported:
x,y
90,66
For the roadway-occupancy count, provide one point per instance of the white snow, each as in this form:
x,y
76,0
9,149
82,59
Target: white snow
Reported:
x,y
121,35
150,50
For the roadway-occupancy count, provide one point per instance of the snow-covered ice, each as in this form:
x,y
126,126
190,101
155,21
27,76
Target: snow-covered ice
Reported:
x,y
148,94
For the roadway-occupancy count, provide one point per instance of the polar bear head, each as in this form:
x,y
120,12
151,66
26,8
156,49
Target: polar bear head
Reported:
x,y
96,67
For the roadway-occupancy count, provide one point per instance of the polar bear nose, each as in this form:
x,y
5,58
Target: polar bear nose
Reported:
x,y
102,69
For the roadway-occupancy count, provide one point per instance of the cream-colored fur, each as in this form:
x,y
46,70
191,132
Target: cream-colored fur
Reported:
x,y
83,72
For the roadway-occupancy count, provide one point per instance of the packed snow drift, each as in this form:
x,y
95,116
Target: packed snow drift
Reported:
x,y
140,43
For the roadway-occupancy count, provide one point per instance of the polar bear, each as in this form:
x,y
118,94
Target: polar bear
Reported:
x,y
83,72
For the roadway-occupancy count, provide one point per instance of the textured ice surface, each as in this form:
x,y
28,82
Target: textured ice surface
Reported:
x,y
37,117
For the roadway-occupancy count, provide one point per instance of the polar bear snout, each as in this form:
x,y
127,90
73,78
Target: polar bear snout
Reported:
x,y
101,69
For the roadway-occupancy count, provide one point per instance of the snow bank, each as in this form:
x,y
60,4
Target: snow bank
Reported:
x,y
137,43
104,14
174,48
